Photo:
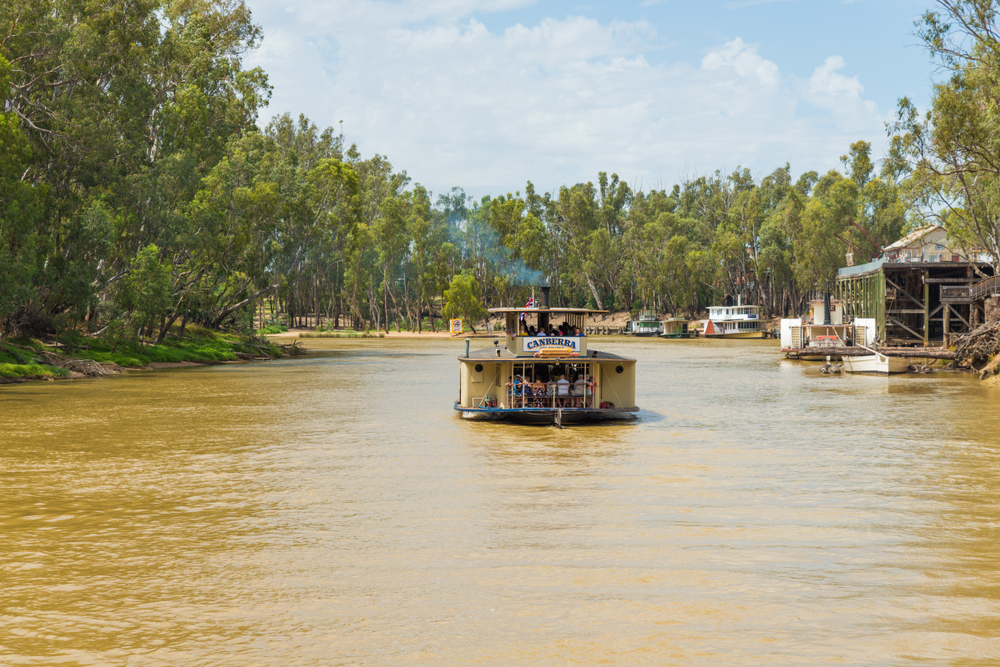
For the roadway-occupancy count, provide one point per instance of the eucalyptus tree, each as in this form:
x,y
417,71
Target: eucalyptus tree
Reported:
x,y
820,249
881,212
221,257
21,213
954,148
125,106
591,221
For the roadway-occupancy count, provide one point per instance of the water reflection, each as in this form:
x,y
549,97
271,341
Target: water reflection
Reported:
x,y
334,510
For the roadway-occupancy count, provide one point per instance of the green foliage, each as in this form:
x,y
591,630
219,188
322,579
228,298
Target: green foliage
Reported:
x,y
21,209
461,300
949,158
137,193
145,291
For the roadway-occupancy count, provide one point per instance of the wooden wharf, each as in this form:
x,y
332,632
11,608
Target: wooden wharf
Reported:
x,y
923,303
841,351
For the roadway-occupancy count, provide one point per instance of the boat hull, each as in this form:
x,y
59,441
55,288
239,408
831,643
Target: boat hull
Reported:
x,y
679,336
546,416
814,354
878,364
740,335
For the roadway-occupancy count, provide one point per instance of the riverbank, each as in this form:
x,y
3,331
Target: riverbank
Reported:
x,y
616,320
293,334
75,356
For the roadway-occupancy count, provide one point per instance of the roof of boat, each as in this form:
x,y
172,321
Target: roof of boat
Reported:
x,y
490,353
579,311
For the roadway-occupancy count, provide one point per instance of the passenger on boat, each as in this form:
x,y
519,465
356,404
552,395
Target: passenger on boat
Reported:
x,y
570,401
562,391
515,386
579,390
576,331
538,393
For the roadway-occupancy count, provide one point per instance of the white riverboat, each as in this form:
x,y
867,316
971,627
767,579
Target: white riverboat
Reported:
x,y
645,325
544,371
737,321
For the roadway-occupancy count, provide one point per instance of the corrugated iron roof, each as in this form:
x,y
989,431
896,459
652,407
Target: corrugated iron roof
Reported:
x,y
914,236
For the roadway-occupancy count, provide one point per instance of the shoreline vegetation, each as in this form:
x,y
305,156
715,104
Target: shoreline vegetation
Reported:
x,y
24,359
140,199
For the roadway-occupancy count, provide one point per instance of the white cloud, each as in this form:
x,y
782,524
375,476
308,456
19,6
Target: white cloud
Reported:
x,y
840,95
455,103
744,60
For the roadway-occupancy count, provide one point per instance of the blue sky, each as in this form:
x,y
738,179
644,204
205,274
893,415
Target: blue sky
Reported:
x,y
488,94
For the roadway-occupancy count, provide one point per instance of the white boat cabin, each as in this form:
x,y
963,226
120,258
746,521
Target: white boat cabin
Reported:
x,y
720,313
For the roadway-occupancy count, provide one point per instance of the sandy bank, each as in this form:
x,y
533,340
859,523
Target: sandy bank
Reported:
x,y
294,334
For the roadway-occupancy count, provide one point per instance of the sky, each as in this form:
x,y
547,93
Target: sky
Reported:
x,y
489,94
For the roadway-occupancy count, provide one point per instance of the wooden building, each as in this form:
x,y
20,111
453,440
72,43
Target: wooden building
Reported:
x,y
917,293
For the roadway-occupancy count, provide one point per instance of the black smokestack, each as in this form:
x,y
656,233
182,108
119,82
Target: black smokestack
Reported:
x,y
826,308
545,297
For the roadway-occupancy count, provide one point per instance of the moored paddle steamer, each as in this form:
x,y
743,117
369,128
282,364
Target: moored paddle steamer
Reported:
x,y
545,372
737,321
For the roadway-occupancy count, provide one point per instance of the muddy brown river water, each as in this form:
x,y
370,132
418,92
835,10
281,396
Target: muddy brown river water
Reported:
x,y
333,510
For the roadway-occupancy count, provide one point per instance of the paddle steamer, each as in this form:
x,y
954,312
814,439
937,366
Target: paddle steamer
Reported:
x,y
737,321
544,372
826,333
647,324
678,327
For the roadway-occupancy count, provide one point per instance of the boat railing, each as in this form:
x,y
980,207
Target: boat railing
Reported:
x,y
520,399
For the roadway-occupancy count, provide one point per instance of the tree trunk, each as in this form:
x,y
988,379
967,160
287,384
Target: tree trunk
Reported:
x,y
593,291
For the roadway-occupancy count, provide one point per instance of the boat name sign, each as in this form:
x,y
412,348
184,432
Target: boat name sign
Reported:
x,y
535,343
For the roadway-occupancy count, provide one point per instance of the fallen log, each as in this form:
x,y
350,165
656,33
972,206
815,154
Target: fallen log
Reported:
x,y
976,349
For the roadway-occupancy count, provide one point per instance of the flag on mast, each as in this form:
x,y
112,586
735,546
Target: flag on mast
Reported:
x,y
530,304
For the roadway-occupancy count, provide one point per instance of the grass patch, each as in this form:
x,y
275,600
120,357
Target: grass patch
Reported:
x,y
200,345
31,371
273,329
9,355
